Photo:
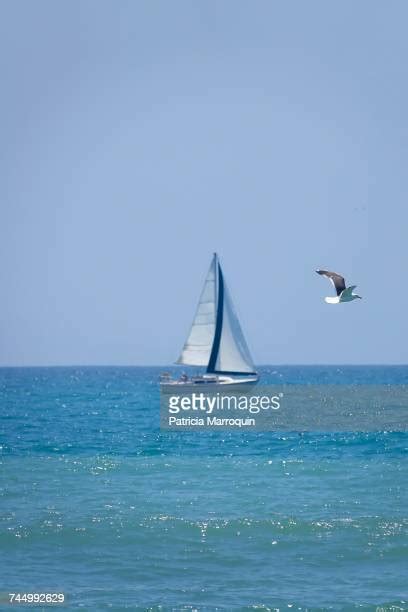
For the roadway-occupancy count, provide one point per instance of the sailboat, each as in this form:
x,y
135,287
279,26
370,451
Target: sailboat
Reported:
x,y
215,340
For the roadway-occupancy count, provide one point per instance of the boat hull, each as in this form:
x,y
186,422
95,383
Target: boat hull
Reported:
x,y
209,382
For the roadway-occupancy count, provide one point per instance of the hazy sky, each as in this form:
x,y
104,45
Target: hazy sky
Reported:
x,y
139,137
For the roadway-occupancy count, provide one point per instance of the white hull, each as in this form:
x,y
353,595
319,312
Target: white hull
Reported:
x,y
208,380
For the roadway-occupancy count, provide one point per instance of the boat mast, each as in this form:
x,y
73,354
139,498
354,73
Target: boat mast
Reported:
x,y
219,315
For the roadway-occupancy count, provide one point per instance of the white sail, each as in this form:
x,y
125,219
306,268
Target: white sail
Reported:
x,y
233,353
198,346
216,339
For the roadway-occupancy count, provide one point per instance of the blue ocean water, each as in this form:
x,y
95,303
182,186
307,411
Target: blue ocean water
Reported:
x,y
97,503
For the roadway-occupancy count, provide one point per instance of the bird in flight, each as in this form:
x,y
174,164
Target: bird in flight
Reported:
x,y
344,294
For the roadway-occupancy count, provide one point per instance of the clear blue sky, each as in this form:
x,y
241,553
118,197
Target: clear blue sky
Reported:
x,y
139,137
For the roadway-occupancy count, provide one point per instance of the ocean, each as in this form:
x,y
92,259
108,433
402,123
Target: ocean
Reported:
x,y
98,504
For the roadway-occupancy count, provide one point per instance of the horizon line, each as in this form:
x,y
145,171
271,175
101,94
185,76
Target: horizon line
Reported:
x,y
263,365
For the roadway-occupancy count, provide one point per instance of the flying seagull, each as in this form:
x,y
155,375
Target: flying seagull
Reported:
x,y
344,294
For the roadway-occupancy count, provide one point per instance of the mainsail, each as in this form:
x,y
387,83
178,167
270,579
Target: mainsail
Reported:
x,y
197,348
216,339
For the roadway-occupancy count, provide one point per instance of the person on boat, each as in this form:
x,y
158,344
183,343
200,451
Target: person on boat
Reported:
x,y
183,377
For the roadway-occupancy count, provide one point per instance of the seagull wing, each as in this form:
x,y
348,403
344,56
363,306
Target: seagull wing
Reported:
x,y
337,280
348,291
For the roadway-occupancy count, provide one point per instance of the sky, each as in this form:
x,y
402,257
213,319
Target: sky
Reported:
x,y
137,138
